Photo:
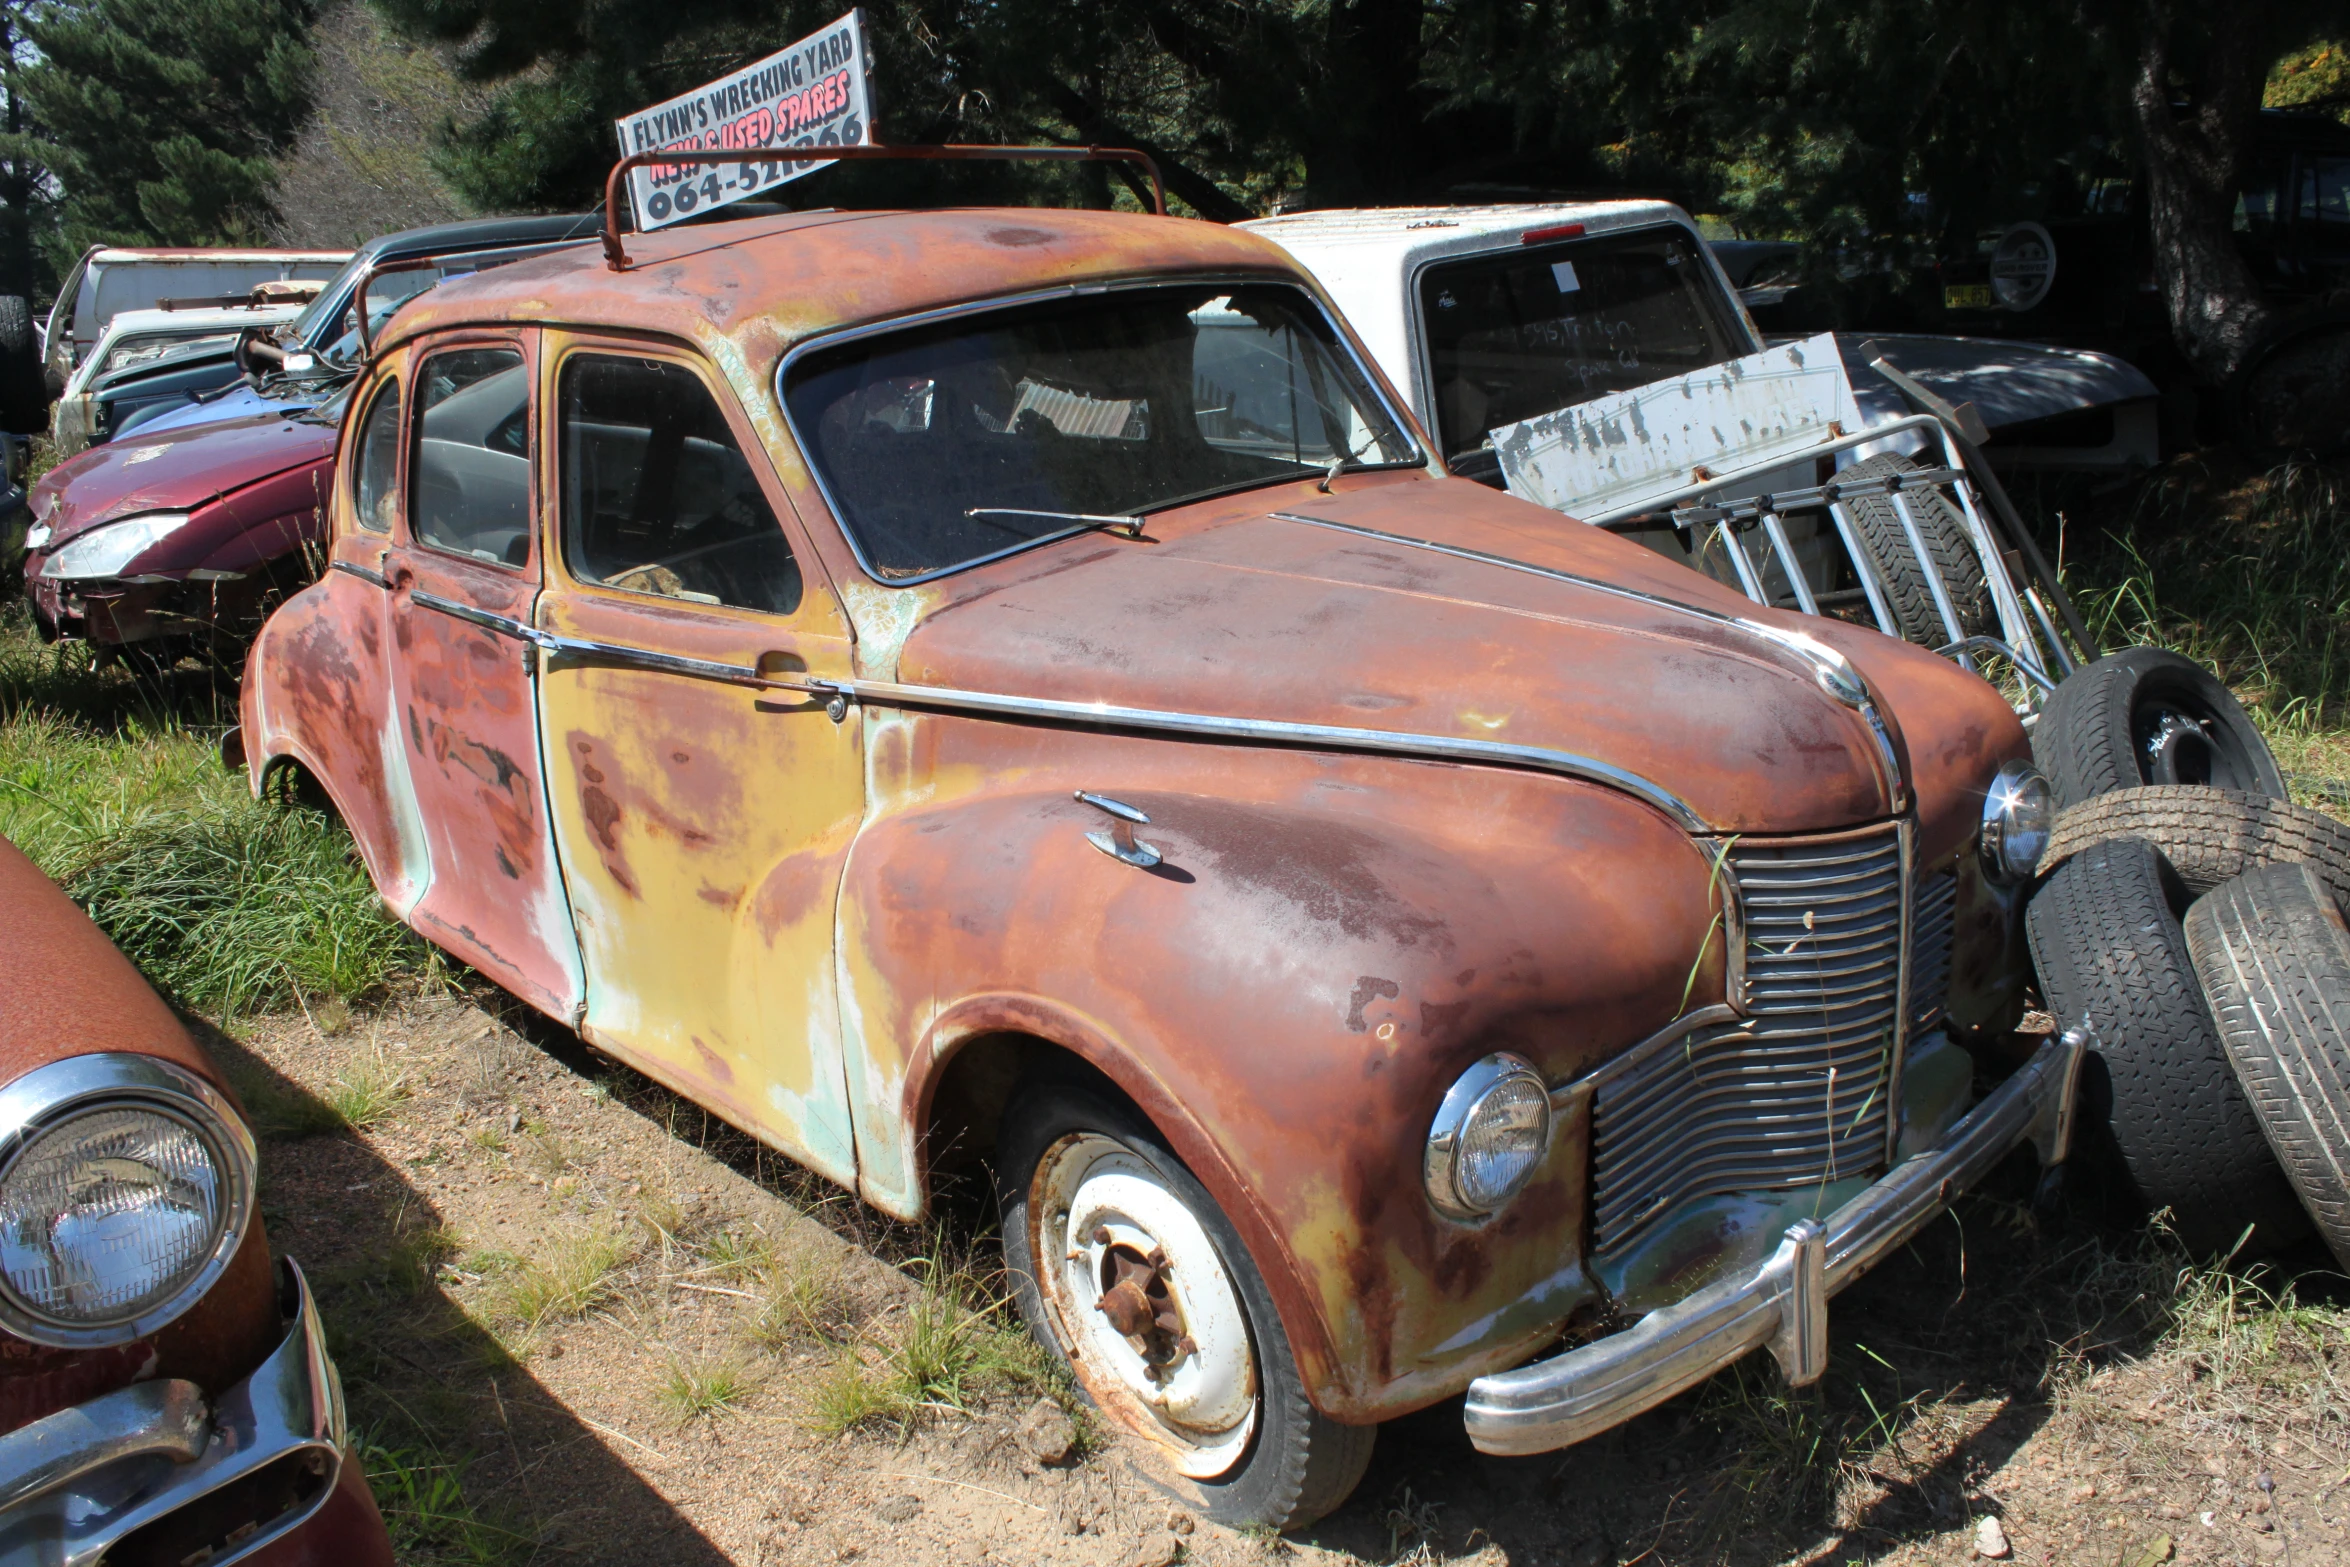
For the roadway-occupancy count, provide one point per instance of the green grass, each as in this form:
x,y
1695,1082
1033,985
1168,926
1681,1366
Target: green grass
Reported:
x,y
2240,567
574,1276
114,787
432,1522
699,1389
954,1345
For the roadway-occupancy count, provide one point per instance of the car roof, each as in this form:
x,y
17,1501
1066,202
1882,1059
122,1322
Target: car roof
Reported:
x,y
777,280
1410,235
113,255
477,233
128,321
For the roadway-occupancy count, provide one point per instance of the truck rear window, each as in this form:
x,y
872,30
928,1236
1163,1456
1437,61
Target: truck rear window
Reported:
x,y
1531,331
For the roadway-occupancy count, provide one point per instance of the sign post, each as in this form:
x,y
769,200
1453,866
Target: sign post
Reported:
x,y
814,93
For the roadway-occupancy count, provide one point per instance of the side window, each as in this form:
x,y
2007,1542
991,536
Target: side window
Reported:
x,y
657,497
372,487
470,472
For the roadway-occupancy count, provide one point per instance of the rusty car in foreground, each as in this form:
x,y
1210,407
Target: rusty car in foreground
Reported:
x,y
165,1394
1011,686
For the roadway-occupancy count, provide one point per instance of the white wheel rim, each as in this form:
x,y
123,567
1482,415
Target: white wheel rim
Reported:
x,y
1101,1213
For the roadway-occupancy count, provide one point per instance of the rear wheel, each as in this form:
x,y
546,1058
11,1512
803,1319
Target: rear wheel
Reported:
x,y
1124,1266
2275,962
2147,715
1950,554
2159,1095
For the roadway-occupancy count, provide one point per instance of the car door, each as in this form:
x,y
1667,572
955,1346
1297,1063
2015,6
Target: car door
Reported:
x,y
703,820
463,573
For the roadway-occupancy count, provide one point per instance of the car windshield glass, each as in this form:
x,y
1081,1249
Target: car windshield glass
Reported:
x,y
1536,329
130,351
950,443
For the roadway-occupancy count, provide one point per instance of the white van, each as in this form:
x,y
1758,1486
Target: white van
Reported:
x,y
110,279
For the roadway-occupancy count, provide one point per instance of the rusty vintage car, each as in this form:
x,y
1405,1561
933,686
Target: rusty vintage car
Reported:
x,y
165,1394
1011,685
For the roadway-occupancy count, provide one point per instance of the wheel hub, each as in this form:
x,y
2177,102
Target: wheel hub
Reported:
x,y
2177,749
1153,1323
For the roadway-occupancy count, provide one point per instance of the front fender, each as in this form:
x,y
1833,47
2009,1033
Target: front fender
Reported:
x,y
1327,944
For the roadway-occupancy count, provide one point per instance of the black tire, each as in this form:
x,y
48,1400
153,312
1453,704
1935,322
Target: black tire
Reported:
x,y
1908,594
2143,716
24,392
2287,400
2158,1095
1299,1465
2208,836
2274,959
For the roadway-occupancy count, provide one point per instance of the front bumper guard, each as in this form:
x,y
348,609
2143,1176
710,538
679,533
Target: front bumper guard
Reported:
x,y
1557,1402
74,1484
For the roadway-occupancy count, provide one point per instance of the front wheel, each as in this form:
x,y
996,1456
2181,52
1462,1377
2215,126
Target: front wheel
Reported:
x,y
1124,1266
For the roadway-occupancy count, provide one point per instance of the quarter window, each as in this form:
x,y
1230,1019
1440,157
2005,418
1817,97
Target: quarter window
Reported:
x,y
471,468
657,497
372,493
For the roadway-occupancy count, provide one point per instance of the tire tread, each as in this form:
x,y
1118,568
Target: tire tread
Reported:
x,y
2275,963
2209,836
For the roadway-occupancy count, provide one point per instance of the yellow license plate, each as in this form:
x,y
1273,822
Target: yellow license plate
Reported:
x,y
1967,296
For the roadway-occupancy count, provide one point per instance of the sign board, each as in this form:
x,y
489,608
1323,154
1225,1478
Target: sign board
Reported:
x,y
814,93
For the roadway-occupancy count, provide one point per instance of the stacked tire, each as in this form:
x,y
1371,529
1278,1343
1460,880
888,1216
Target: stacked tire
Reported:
x,y
2193,914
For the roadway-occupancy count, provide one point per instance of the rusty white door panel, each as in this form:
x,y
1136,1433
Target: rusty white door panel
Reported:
x,y
703,828
469,738
1613,452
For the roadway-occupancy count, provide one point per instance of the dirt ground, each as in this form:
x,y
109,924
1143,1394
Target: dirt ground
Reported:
x,y
701,1307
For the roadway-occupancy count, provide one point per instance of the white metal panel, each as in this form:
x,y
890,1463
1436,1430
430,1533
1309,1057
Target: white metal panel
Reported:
x,y
1618,450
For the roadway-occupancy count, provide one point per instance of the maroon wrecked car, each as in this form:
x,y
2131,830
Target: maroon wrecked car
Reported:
x,y
165,1393
181,542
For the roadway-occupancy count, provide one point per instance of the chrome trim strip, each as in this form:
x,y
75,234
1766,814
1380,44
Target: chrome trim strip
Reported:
x,y
1401,419
1681,1027
291,1406
1907,968
884,693
1557,1402
51,1093
363,573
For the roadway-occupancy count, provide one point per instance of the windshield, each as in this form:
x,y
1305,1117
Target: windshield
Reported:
x,y
148,347
1534,330
947,444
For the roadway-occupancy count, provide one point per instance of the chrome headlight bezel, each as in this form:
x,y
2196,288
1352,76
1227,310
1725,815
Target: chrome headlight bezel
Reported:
x,y
1468,1095
2019,813
53,1095
106,551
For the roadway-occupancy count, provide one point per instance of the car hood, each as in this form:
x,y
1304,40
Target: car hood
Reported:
x,y
172,470
1241,610
2009,383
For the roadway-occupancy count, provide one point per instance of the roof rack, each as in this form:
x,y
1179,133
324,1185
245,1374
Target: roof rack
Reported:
x,y
617,258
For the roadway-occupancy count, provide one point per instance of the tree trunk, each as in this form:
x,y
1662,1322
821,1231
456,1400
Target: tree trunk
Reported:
x,y
2193,160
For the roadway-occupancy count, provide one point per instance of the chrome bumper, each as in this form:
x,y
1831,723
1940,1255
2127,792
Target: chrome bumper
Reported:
x,y
76,1483
1557,1402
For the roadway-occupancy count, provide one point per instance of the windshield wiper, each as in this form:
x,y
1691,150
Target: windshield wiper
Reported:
x,y
1125,523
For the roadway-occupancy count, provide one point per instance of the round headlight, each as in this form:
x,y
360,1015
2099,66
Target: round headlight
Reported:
x,y
2019,811
125,1189
1489,1137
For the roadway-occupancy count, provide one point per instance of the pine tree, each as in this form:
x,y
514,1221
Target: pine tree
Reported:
x,y
161,116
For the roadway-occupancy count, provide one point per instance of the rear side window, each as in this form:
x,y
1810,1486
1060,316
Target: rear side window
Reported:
x,y
471,469
372,486
657,497
1531,331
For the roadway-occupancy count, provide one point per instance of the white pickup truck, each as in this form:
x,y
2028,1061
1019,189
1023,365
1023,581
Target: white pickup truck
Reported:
x,y
1595,358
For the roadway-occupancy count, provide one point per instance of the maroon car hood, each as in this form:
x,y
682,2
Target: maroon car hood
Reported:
x,y
173,471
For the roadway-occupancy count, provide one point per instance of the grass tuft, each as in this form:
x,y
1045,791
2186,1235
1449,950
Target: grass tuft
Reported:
x,y
366,1091
803,1300
431,1520
573,1278
701,1389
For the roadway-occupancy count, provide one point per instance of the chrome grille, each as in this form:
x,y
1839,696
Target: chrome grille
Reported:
x,y
1933,924
1792,1093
